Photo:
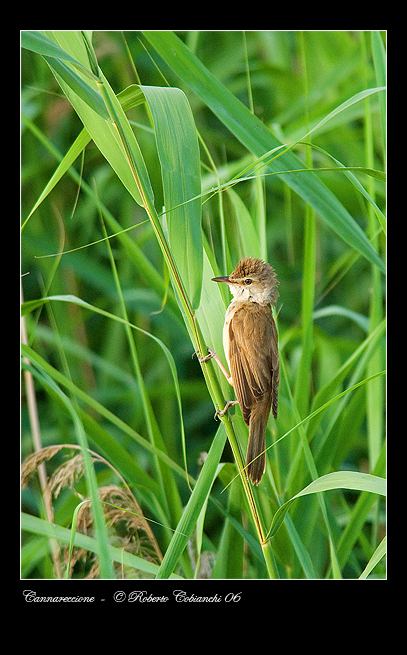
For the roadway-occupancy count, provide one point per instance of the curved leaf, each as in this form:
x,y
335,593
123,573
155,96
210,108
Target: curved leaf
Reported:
x,y
339,480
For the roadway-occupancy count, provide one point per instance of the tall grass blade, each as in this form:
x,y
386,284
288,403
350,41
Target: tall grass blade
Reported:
x,y
195,503
178,150
78,86
379,553
36,525
169,489
38,42
102,131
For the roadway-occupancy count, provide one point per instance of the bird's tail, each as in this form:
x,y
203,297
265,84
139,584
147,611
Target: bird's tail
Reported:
x,y
256,462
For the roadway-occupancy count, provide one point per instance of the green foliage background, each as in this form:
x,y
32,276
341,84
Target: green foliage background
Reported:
x,y
118,390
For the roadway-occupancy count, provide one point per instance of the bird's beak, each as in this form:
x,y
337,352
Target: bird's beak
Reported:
x,y
225,279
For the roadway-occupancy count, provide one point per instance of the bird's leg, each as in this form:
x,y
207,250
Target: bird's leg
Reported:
x,y
212,355
226,407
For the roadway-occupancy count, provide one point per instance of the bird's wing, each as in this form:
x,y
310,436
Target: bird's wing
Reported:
x,y
253,356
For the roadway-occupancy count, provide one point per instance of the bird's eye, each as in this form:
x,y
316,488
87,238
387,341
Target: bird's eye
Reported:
x,y
248,281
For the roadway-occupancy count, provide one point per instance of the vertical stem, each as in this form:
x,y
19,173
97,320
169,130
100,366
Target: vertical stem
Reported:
x,y
36,434
265,545
302,388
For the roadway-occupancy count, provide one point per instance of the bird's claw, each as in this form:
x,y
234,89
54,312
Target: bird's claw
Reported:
x,y
206,358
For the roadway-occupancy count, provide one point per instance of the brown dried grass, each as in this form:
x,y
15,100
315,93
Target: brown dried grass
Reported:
x,y
127,526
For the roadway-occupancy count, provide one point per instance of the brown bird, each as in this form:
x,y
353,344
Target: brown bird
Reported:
x,y
250,344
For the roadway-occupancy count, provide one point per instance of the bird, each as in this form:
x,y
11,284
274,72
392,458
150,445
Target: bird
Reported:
x,y
250,342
